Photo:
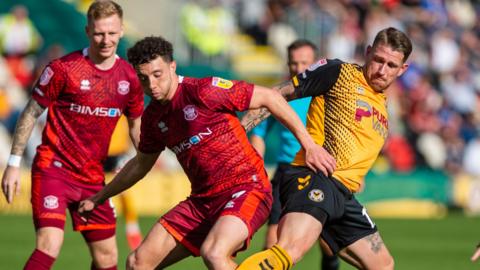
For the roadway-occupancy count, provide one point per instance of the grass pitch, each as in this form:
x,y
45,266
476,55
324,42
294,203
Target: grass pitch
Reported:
x,y
443,244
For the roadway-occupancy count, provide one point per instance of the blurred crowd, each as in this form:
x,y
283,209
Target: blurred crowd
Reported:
x,y
434,108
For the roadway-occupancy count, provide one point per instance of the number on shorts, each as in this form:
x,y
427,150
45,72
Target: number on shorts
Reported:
x,y
364,213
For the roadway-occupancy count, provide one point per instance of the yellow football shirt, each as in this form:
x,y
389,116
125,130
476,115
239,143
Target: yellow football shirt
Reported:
x,y
346,116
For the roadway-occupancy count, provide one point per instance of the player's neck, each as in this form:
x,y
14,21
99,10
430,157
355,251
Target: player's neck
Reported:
x,y
173,90
100,62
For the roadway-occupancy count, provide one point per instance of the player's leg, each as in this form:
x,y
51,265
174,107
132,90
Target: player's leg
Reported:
x,y
298,232
271,235
307,198
132,228
329,261
49,241
371,253
99,230
243,211
159,249
355,235
104,253
48,211
221,243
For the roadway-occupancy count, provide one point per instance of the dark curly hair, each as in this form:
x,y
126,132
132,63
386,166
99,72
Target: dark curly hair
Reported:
x,y
148,49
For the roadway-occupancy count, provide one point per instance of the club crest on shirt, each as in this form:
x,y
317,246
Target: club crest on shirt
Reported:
x,y
222,83
190,112
50,202
123,87
85,85
47,74
316,195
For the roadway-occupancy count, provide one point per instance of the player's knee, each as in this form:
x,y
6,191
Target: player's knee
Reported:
x,y
135,260
212,255
49,246
106,257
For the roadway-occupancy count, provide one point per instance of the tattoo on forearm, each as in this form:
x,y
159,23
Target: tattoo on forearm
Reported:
x,y
376,242
25,126
254,117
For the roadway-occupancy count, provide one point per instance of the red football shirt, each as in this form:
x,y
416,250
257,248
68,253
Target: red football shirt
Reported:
x,y
84,104
200,126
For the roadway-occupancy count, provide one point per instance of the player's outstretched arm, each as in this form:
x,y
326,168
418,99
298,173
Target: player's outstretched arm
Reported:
x,y
316,158
254,116
25,124
131,173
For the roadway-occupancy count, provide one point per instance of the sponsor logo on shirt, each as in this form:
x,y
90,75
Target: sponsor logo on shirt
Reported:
x,y
190,112
96,111
85,85
318,64
194,140
123,87
222,83
47,74
379,120
50,202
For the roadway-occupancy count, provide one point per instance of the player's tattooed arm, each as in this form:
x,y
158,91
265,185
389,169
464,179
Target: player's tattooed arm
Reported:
x,y
254,117
375,241
25,126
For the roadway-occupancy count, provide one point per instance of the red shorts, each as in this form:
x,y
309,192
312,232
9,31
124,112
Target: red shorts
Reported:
x,y
53,191
190,221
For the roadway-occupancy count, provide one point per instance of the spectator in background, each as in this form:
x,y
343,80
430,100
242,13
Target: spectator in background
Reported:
x,y
18,35
85,93
18,39
207,26
301,54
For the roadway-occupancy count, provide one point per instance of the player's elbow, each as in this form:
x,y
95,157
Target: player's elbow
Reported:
x,y
264,97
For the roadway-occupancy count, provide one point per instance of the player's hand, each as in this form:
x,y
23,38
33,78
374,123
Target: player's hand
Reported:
x,y
85,208
476,254
11,183
319,160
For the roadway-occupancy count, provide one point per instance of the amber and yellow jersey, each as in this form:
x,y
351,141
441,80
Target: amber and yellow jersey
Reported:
x,y
346,116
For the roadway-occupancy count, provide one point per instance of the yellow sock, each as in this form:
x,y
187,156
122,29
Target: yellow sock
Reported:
x,y
274,258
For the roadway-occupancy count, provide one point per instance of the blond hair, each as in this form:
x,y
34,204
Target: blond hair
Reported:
x,y
102,9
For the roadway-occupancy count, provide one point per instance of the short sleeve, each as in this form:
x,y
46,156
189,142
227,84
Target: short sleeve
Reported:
x,y
318,78
225,95
136,103
149,142
49,85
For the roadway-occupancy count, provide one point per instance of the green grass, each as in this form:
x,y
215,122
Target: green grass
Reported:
x,y
416,244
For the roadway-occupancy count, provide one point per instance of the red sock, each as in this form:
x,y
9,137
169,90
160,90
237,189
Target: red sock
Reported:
x,y
39,261
93,267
